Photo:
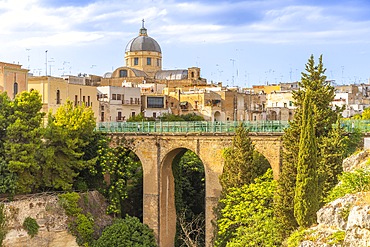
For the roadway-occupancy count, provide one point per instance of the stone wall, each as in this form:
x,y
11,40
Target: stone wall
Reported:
x,y
51,218
49,215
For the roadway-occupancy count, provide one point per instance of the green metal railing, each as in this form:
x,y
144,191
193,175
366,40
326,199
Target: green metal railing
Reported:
x,y
213,127
361,125
190,127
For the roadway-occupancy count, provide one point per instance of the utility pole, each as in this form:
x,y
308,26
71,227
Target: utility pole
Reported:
x,y
233,61
46,62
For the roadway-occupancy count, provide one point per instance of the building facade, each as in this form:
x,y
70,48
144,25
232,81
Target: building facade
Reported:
x,y
56,91
13,79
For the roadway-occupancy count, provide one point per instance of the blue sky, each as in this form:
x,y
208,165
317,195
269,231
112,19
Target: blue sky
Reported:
x,y
237,42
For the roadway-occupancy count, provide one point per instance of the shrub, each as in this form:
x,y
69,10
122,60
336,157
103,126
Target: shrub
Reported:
x,y
296,237
127,232
350,182
337,237
31,226
69,202
83,229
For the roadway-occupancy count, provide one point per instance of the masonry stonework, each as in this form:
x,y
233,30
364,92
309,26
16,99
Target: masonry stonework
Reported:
x,y
157,152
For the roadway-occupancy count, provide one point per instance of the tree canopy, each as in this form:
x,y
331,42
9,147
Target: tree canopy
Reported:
x,y
247,218
68,131
127,232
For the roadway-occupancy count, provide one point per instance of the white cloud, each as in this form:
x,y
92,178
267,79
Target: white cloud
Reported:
x,y
60,39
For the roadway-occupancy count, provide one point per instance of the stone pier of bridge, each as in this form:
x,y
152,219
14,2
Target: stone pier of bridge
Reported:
x,y
157,152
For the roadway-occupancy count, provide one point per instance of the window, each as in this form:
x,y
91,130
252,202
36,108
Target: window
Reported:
x,y
133,114
290,103
131,101
118,96
136,61
192,74
155,102
119,116
76,99
102,117
114,96
158,62
154,115
15,89
102,108
285,104
83,99
149,61
123,73
88,100
58,97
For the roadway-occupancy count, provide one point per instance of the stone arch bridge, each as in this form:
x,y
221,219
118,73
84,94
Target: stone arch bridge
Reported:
x,y
157,151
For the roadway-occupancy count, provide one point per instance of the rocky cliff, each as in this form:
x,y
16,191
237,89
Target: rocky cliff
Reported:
x,y
345,221
51,217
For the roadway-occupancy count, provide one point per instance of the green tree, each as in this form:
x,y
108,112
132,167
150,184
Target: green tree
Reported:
x,y
7,179
322,94
5,113
240,168
137,118
306,198
66,135
366,114
124,170
247,218
185,117
332,150
127,232
23,140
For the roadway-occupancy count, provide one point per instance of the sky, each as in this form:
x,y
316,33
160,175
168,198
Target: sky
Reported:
x,y
240,43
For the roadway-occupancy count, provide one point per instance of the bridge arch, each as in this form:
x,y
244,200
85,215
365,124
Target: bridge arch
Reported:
x,y
168,214
157,152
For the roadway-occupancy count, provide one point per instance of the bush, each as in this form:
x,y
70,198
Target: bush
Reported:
x,y
83,229
31,226
337,237
127,232
350,182
69,202
296,237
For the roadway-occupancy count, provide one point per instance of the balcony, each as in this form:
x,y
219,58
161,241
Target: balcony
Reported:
x,y
131,102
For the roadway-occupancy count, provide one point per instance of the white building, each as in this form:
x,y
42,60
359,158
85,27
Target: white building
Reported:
x,y
118,103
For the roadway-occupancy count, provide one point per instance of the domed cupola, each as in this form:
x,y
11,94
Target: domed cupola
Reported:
x,y
144,53
143,42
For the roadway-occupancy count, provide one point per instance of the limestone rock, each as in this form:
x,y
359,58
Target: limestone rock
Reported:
x,y
43,239
359,216
356,161
333,214
357,237
51,217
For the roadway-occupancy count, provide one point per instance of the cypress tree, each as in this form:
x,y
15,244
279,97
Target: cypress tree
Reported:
x,y
322,94
306,201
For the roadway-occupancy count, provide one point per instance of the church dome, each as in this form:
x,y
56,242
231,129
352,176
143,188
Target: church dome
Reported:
x,y
143,43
